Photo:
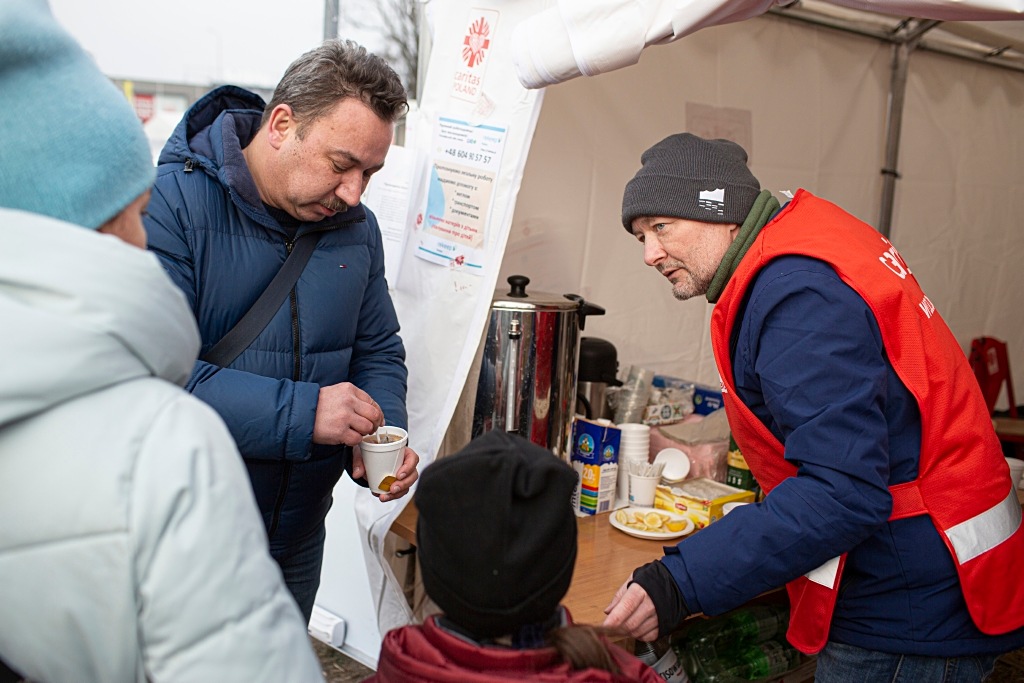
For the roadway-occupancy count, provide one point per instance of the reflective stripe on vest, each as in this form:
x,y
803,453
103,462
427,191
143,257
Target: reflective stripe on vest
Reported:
x,y
981,533
826,574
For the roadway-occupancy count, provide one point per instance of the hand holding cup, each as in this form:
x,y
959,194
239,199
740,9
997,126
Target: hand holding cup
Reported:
x,y
382,460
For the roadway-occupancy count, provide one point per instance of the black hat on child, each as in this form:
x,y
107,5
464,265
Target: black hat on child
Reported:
x,y
496,534
685,176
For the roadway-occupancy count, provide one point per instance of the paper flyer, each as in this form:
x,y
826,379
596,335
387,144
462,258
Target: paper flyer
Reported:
x,y
465,162
392,196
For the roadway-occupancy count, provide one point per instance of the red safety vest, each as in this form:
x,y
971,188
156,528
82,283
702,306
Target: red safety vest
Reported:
x,y
962,481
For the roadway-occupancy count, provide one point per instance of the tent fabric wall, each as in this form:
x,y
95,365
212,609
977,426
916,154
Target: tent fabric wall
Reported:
x,y
959,218
817,106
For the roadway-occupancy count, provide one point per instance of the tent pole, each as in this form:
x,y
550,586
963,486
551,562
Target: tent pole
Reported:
x,y
893,123
909,35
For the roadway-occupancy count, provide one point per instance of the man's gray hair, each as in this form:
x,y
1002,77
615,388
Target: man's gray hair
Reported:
x,y
336,70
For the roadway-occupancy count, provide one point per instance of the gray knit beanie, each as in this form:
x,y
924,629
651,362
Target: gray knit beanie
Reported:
x,y
685,176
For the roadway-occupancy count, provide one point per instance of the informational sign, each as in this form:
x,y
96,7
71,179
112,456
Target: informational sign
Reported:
x,y
391,195
464,166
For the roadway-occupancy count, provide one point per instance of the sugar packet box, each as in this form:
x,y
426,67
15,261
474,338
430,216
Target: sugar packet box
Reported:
x,y
595,458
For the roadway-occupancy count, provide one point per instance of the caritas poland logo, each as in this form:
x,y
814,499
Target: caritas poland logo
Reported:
x,y
476,42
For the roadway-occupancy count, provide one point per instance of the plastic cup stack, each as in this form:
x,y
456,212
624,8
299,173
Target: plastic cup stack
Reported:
x,y
633,395
634,445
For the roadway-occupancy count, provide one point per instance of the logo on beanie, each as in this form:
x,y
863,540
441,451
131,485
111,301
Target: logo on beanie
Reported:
x,y
712,200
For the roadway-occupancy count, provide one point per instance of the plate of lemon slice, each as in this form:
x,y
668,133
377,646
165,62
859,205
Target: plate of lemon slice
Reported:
x,y
650,523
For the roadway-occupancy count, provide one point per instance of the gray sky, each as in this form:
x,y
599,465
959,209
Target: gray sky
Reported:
x,y
245,42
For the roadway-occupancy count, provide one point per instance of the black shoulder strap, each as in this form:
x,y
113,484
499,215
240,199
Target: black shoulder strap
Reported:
x,y
8,675
262,311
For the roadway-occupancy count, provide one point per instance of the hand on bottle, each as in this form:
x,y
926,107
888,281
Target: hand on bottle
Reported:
x,y
632,610
406,477
344,415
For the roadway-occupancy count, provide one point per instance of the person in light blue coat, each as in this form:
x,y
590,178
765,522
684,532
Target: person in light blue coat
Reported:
x,y
130,546
237,184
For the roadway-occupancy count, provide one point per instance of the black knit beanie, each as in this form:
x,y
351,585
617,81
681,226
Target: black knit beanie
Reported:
x,y
496,535
685,176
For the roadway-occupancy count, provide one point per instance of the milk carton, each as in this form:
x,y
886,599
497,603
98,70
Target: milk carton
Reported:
x,y
595,458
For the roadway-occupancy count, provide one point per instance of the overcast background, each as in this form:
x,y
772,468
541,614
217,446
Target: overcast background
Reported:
x,y
202,42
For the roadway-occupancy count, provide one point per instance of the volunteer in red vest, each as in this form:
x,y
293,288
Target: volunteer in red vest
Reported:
x,y
890,515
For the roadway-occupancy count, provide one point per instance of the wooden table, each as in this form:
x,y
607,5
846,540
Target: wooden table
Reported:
x,y
1010,429
605,557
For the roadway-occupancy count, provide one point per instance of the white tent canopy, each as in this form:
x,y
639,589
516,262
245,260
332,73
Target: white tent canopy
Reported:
x,y
810,103
573,38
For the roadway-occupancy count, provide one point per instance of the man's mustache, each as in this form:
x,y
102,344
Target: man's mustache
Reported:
x,y
335,204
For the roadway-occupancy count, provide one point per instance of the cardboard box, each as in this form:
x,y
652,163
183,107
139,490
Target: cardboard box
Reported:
x,y
665,413
700,499
706,399
595,458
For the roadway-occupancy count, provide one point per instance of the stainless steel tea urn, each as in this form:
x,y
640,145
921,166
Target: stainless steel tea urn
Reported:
x,y
528,370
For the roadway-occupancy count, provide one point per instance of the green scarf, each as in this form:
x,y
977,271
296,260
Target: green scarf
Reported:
x,y
761,212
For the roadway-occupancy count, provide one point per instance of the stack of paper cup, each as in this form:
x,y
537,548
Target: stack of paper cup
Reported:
x,y
634,444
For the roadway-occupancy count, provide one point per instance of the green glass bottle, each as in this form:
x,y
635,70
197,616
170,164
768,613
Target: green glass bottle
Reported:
x,y
712,638
737,471
748,663
718,640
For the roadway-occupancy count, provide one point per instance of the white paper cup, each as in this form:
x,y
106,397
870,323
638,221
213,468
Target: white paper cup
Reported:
x,y
676,465
1016,470
729,507
634,430
642,490
382,460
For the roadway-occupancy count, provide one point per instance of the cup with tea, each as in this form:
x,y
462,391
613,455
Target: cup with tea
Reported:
x,y
383,452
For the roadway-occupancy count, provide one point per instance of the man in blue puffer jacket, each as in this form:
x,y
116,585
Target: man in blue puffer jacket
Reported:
x,y
237,184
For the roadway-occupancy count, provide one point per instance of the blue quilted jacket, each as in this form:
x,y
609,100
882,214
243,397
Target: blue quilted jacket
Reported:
x,y
222,247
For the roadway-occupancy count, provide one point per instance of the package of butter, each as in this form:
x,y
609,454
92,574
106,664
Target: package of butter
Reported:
x,y
700,499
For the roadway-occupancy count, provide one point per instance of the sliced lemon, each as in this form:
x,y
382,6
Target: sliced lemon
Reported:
x,y
621,517
653,520
676,525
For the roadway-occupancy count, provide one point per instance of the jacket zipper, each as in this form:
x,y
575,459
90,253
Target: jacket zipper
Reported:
x,y
296,356
296,375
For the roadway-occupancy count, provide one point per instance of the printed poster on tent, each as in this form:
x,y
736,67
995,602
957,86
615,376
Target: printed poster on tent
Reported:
x,y
466,158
